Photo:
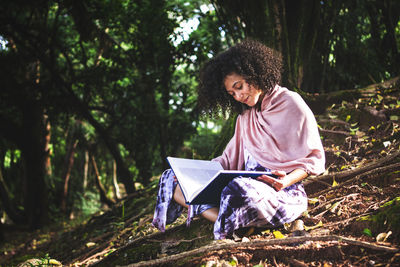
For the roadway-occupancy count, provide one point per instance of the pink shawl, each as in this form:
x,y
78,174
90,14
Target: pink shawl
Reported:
x,y
283,135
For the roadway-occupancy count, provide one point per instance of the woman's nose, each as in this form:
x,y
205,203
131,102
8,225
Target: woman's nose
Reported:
x,y
239,97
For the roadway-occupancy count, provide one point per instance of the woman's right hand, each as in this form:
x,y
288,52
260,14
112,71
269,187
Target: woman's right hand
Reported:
x,y
277,183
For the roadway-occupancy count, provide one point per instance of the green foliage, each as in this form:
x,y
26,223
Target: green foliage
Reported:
x,y
113,68
387,219
11,157
87,204
367,232
204,142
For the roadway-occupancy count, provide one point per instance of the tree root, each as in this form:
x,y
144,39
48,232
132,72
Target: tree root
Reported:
x,y
261,243
344,174
371,173
370,169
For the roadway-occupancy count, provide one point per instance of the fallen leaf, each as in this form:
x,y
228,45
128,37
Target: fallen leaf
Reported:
x,y
308,228
278,235
334,207
312,201
90,244
382,237
54,262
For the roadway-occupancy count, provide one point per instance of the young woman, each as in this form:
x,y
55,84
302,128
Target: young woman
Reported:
x,y
275,131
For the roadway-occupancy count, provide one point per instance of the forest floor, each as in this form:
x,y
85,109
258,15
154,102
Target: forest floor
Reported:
x,y
353,218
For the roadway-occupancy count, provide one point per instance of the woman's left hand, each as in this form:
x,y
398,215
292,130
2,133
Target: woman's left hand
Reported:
x,y
277,183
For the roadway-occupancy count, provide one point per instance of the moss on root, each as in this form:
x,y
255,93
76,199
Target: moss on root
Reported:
x,y
175,240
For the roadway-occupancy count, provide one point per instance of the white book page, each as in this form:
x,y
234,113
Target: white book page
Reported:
x,y
193,175
198,179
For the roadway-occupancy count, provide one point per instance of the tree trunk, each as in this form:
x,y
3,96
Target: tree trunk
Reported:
x,y
1,232
103,194
85,170
383,14
47,146
122,171
293,28
115,182
69,162
34,154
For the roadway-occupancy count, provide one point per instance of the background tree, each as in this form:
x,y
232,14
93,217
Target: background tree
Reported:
x,y
109,65
326,45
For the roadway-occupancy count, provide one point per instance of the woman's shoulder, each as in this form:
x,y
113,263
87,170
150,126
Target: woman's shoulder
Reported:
x,y
285,94
281,97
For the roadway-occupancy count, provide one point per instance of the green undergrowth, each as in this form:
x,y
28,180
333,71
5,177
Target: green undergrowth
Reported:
x,y
387,219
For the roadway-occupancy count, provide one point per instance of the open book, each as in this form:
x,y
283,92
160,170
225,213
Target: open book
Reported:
x,y
202,181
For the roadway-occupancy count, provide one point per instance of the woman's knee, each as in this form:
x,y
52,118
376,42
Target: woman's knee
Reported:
x,y
178,197
211,214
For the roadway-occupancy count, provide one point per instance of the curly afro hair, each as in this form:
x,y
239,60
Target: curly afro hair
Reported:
x,y
258,64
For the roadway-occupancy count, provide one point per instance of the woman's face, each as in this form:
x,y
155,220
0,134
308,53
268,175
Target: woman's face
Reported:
x,y
241,91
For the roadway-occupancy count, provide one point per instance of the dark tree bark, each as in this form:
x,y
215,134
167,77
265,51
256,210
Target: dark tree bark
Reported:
x,y
1,232
34,154
30,137
384,14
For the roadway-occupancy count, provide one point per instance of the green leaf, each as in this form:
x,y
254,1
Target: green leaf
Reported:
x,y
233,261
367,232
109,252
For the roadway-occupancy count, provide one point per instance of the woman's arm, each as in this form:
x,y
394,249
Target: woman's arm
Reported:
x,y
284,180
